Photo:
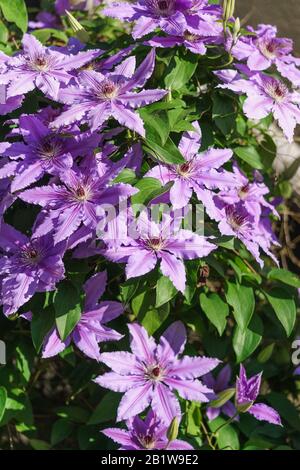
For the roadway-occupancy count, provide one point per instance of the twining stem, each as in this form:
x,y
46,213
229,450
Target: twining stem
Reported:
x,y
215,433
208,437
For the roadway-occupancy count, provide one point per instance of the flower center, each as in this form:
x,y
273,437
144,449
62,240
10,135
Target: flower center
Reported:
x,y
108,90
81,193
161,7
184,170
50,148
30,255
147,441
155,243
243,192
190,36
155,373
235,219
40,63
269,48
276,89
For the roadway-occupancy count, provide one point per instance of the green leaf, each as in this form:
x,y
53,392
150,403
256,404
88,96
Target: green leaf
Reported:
x,y
154,318
167,152
128,289
15,11
156,122
24,359
180,71
291,170
165,291
3,32
149,188
126,176
193,419
67,308
227,437
250,155
216,310
266,353
3,400
38,444
285,408
73,413
61,429
243,271
143,300
284,307
43,35
224,113
245,341
285,276
106,410
242,300
40,325
267,151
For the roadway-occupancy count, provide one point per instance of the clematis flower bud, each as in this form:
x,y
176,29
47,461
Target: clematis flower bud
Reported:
x,y
172,432
77,28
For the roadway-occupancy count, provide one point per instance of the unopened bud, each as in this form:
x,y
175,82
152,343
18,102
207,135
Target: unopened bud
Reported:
x,y
236,28
244,407
172,432
222,398
228,9
77,28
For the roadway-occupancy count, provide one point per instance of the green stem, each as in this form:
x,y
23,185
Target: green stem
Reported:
x,y
208,437
215,433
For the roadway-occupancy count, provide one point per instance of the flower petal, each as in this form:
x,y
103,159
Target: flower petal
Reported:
x,y
165,404
134,401
174,269
141,344
140,263
122,362
263,412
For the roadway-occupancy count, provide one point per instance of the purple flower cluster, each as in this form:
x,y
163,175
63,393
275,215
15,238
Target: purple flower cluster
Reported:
x,y
147,434
193,16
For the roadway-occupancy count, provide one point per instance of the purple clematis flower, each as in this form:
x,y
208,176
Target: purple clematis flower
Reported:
x,y
219,384
27,266
165,242
147,434
43,151
198,172
151,373
78,200
91,328
264,49
235,220
44,19
250,193
191,41
148,15
98,96
247,391
40,67
267,95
